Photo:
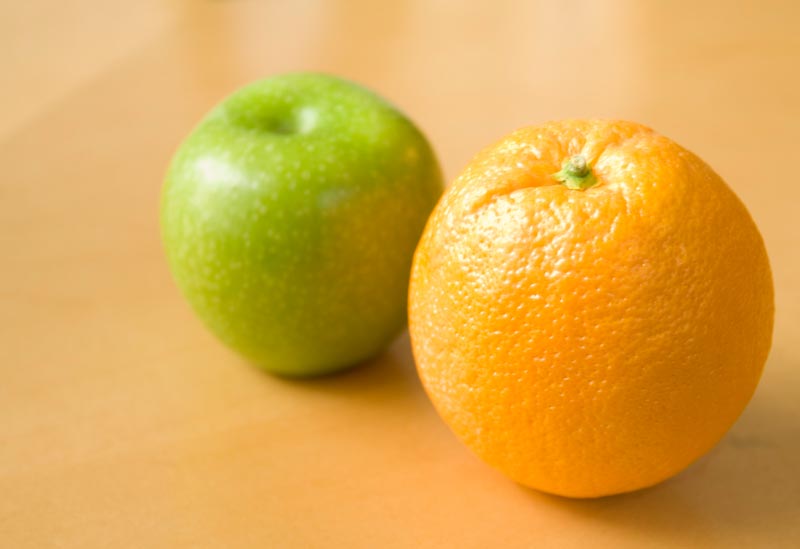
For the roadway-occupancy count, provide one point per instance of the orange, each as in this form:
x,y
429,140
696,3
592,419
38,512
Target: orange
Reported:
x,y
590,307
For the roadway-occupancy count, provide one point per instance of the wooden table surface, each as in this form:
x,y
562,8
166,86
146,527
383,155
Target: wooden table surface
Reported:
x,y
123,423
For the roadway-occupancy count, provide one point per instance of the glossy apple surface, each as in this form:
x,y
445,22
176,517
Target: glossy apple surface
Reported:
x,y
290,216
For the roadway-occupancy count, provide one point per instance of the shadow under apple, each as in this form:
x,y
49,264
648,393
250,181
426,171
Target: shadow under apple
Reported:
x,y
387,380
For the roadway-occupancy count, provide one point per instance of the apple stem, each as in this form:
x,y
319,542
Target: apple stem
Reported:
x,y
576,173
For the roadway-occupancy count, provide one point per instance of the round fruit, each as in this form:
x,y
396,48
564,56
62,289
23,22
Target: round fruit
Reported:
x,y
590,307
290,216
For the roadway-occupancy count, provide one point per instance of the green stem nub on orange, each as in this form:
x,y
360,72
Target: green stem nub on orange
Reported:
x,y
576,174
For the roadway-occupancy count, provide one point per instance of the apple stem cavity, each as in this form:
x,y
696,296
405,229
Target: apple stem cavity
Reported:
x,y
576,174
298,122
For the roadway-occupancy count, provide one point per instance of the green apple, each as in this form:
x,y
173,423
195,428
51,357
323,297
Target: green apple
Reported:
x,y
290,216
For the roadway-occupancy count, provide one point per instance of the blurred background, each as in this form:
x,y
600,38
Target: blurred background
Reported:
x,y
123,423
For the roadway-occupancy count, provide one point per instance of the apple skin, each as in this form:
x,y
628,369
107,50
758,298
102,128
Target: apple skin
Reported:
x,y
290,216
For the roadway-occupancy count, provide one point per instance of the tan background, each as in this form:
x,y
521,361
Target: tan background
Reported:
x,y
124,424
